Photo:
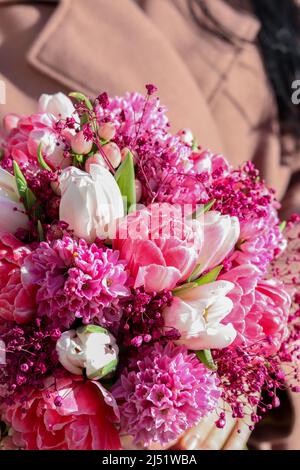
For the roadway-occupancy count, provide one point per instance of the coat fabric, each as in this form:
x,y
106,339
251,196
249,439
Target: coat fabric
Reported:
x,y
217,89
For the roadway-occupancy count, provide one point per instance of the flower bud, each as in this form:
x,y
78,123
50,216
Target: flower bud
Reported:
x,y
107,131
113,154
90,348
80,145
95,159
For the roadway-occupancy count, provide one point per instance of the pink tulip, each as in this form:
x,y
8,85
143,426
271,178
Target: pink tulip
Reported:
x,y
80,145
84,419
221,232
107,131
27,133
113,154
95,159
10,122
160,247
16,302
260,309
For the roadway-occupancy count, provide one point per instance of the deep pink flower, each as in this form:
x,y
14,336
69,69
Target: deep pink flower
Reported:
x,y
70,415
160,247
260,309
164,393
16,302
76,280
22,142
260,241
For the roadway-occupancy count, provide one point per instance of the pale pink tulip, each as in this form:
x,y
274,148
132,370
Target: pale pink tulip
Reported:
x,y
13,216
113,154
160,247
83,421
107,131
79,144
260,309
197,314
95,159
221,232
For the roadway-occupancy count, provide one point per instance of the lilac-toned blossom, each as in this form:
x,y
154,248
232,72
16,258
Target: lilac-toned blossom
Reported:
x,y
164,392
260,309
76,280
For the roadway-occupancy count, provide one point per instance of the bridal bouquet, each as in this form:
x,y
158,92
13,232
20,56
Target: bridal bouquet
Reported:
x,y
141,286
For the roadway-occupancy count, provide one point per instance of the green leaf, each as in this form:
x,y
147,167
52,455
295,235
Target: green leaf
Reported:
x,y
20,181
30,199
204,209
41,160
209,205
178,290
195,145
81,97
211,276
92,329
100,373
126,180
25,193
195,273
206,358
109,367
282,226
40,231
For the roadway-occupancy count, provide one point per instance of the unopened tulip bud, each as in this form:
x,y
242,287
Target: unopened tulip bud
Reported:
x,y
95,159
107,131
10,122
124,153
80,145
113,154
90,348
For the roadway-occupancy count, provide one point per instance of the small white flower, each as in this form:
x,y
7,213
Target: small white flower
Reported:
x,y
90,348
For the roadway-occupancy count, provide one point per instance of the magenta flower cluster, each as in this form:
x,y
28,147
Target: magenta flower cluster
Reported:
x,y
164,392
100,330
75,280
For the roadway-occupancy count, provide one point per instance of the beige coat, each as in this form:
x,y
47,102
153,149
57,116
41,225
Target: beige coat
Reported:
x,y
218,90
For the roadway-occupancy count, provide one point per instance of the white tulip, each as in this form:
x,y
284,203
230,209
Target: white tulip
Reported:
x,y
90,202
221,233
13,216
58,104
197,315
90,348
